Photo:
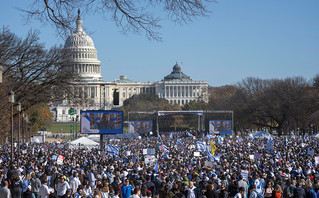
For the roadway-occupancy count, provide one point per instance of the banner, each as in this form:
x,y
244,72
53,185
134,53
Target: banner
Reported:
x,y
150,159
311,152
244,173
60,159
149,151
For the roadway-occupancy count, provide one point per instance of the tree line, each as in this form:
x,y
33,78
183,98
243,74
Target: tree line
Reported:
x,y
276,105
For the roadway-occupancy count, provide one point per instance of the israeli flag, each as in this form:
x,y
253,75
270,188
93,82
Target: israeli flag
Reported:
x,y
165,155
156,167
201,146
211,157
251,136
179,142
189,134
278,156
292,135
171,135
112,150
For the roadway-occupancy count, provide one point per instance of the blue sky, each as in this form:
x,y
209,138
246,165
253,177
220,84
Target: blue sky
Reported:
x,y
239,39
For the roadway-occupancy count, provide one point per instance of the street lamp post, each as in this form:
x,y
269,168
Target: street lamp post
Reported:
x,y
0,74
11,100
19,111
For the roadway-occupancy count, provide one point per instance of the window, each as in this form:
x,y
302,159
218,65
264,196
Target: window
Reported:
x,y
63,111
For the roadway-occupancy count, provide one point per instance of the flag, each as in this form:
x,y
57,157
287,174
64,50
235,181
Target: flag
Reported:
x,y
278,156
270,145
189,134
220,141
112,150
163,148
212,147
171,135
292,135
179,143
210,157
251,136
165,155
201,146
156,167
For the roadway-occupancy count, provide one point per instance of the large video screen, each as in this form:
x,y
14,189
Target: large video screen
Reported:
x,y
220,126
141,127
95,122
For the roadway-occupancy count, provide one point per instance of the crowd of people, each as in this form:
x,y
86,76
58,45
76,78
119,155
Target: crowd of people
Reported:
x,y
239,167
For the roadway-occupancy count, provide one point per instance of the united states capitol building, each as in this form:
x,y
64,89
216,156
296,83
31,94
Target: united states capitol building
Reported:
x,y
95,94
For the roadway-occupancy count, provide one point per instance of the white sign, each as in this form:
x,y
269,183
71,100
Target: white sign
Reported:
x,y
317,160
60,159
150,159
311,152
252,157
197,154
208,163
244,173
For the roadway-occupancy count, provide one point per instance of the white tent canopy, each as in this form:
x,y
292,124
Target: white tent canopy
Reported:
x,y
316,135
262,134
84,142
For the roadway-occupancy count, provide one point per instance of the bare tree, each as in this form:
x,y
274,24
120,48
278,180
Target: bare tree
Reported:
x,y
35,74
128,15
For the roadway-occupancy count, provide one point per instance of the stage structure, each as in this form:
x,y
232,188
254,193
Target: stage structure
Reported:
x,y
200,120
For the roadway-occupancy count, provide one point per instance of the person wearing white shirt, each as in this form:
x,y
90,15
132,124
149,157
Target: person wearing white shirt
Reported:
x,y
62,187
241,193
87,190
44,190
74,182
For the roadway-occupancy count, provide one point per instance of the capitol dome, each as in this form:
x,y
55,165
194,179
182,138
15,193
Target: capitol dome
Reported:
x,y
79,38
83,55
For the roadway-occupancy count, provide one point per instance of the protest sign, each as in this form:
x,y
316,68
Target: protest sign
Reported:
x,y
60,159
196,154
257,156
244,173
150,159
149,151
251,157
311,152
208,163
317,160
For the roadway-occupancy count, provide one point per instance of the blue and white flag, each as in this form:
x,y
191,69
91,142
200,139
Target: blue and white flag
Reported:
x,y
171,135
278,156
189,134
270,145
220,140
211,157
292,135
156,167
201,146
163,148
165,155
179,143
251,136
112,150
